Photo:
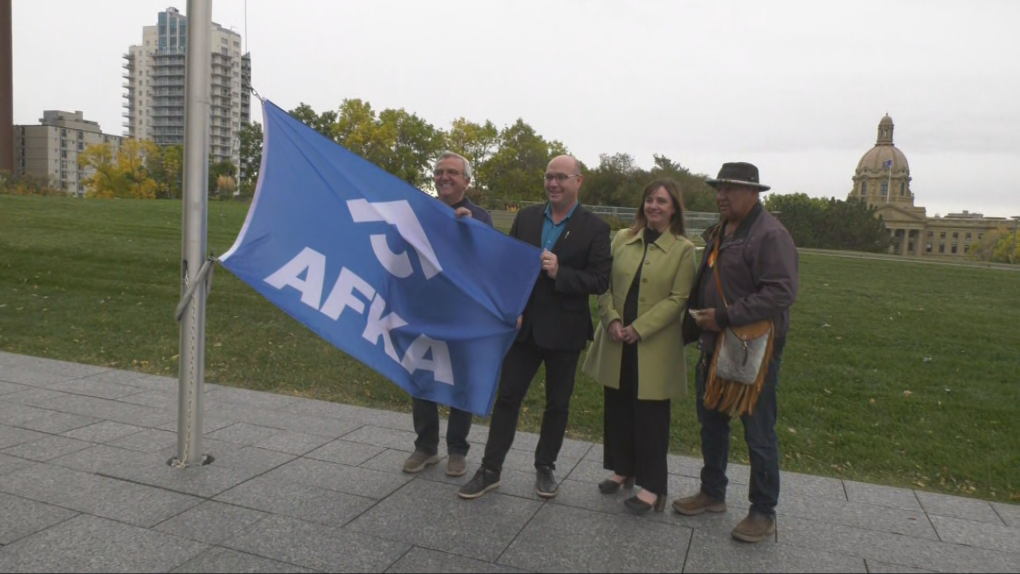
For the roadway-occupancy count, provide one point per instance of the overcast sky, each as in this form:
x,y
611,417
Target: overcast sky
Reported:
x,y
797,88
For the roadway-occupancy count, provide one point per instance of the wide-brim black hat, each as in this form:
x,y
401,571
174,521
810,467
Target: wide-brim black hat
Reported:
x,y
738,173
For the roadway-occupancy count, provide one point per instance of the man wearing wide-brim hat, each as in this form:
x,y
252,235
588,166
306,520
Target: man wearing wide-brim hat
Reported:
x,y
752,257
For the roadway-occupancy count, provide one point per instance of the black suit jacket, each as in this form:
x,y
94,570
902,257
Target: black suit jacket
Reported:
x,y
557,314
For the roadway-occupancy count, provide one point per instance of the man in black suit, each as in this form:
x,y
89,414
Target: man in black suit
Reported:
x,y
555,327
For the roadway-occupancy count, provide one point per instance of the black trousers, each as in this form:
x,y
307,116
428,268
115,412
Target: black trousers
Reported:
x,y
759,434
519,368
636,433
426,424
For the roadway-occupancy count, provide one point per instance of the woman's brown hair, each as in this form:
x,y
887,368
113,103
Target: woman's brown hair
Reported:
x,y
676,224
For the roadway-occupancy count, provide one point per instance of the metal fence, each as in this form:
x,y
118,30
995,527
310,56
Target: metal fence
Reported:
x,y
696,222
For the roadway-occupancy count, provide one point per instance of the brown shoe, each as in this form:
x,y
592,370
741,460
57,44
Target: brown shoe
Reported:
x,y
698,504
456,465
755,528
418,461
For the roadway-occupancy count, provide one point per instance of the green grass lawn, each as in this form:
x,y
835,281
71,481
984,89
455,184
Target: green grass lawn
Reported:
x,y
895,373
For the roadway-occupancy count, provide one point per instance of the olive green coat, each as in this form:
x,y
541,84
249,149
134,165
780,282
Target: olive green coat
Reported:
x,y
666,281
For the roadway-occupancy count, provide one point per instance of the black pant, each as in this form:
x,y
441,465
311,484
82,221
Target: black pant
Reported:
x,y
759,433
426,424
519,368
636,433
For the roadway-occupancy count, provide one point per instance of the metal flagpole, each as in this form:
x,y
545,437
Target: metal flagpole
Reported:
x,y
6,88
194,264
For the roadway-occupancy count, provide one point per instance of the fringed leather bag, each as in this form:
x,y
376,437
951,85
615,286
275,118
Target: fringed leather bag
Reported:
x,y
740,362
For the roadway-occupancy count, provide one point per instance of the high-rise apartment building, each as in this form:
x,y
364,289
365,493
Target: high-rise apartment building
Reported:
x,y
154,74
50,150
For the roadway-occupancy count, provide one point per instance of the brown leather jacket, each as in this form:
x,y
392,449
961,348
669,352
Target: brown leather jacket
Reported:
x,y
758,267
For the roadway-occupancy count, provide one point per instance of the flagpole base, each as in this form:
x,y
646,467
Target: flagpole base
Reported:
x,y
176,463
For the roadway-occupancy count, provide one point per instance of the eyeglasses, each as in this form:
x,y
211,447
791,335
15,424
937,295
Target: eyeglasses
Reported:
x,y
449,172
560,177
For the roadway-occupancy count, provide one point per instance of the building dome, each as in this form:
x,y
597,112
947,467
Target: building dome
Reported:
x,y
875,159
883,174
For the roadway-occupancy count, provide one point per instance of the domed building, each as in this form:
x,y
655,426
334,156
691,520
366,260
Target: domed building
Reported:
x,y
883,180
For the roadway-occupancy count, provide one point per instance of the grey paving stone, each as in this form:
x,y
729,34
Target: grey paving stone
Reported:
x,y
562,539
295,443
229,561
804,485
47,448
957,507
211,422
10,437
383,437
92,544
893,548
340,478
34,397
256,460
317,408
16,414
393,461
1009,513
106,497
116,376
31,377
522,461
103,432
301,501
58,423
115,411
211,522
100,459
333,428
979,534
317,547
8,388
429,514
421,560
157,383
243,434
691,467
349,453
92,387
858,515
233,396
901,498
154,399
10,464
883,568
587,471
148,440
710,553
68,370
20,517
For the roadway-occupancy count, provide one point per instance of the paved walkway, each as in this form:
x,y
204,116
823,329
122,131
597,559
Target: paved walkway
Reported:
x,y
301,485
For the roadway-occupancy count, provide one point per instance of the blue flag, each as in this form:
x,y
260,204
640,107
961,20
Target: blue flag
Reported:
x,y
887,164
383,271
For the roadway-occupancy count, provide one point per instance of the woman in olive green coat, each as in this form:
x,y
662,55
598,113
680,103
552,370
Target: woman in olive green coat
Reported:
x,y
638,352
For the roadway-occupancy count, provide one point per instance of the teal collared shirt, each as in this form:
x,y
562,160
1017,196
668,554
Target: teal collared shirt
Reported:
x,y
551,231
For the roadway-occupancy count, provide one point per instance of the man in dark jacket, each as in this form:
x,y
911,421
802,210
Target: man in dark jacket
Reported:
x,y
452,177
757,264
555,327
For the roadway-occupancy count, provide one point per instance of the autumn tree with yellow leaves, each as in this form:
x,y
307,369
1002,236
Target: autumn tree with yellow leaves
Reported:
x,y
122,173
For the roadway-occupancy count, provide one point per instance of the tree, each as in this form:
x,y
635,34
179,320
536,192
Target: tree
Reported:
x,y
251,157
515,171
166,168
697,195
322,123
995,247
27,184
413,144
218,169
617,181
830,223
122,174
225,186
477,142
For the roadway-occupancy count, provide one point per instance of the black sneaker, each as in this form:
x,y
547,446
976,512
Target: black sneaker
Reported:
x,y
545,483
483,481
